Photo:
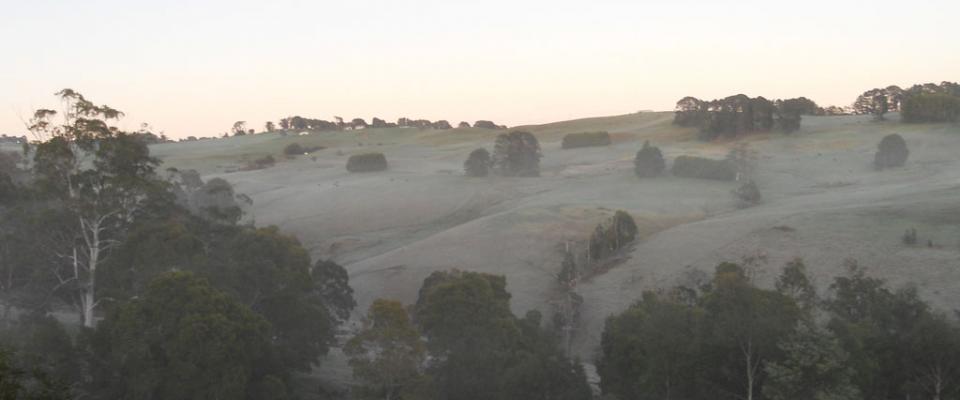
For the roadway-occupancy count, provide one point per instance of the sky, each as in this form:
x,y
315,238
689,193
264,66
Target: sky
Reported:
x,y
195,67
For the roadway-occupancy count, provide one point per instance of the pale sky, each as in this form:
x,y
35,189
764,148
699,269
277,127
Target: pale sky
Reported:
x,y
195,67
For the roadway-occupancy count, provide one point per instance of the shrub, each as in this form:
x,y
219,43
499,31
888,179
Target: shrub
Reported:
x,y
933,107
367,162
478,163
747,194
517,154
703,168
891,152
260,163
586,139
649,161
612,235
463,124
294,149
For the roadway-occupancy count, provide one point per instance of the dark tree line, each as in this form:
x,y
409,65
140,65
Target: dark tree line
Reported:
x,y
728,339
928,102
298,123
740,114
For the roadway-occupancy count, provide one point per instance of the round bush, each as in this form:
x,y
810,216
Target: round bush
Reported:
x,y
478,163
367,162
891,152
293,149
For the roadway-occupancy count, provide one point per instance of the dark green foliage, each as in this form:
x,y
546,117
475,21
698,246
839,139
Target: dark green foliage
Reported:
x,y
332,284
892,152
651,351
463,124
747,195
814,366
181,339
441,124
934,107
387,356
612,235
517,154
878,102
873,324
478,163
367,162
649,161
482,351
295,149
703,168
586,139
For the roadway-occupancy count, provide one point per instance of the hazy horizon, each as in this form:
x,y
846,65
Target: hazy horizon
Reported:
x,y
513,63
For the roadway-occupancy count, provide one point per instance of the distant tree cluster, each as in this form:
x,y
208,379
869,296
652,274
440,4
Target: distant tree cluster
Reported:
x,y
585,139
297,123
649,161
729,339
928,102
484,124
516,154
367,162
295,149
740,114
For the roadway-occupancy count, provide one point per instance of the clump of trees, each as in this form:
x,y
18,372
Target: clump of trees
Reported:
x,y
475,347
928,102
704,168
892,152
367,162
585,139
484,124
649,161
478,163
516,154
463,125
612,235
173,304
729,339
264,162
740,114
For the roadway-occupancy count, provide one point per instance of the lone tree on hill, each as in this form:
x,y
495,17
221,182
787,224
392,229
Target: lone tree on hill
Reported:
x,y
649,161
478,163
891,152
517,154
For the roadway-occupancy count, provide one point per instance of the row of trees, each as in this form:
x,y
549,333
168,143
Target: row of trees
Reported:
x,y
740,114
175,299
729,339
928,102
298,123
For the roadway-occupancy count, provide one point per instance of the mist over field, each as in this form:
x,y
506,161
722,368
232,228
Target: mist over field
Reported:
x,y
523,200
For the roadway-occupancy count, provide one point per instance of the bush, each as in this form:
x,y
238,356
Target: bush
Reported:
x,y
703,168
612,235
367,162
294,149
478,163
649,161
586,139
891,152
747,195
463,124
260,163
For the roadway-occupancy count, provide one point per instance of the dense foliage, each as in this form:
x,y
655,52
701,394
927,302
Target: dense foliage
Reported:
x,y
478,163
649,161
516,154
367,162
891,152
740,114
585,139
